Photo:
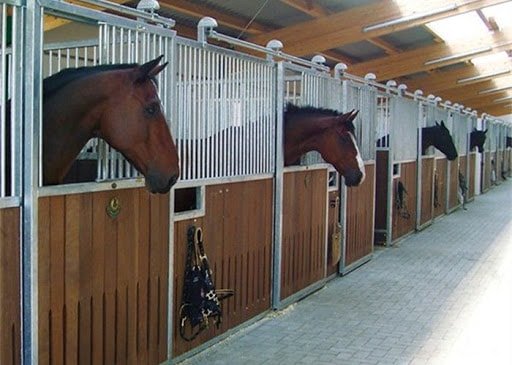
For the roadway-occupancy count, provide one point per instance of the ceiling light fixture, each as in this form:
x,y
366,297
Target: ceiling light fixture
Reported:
x,y
409,18
483,76
500,100
494,90
459,55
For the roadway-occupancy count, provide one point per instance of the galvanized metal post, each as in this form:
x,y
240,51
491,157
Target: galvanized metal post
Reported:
x,y
33,41
419,166
278,189
343,188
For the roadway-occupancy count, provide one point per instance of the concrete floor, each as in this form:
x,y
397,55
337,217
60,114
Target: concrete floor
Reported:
x,y
442,296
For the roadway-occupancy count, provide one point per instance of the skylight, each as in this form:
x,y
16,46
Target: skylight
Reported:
x,y
502,13
493,61
459,27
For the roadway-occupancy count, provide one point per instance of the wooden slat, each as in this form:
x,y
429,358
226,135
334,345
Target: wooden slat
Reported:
x,y
471,179
333,219
304,215
10,304
237,232
441,166
404,225
427,190
43,277
92,268
360,218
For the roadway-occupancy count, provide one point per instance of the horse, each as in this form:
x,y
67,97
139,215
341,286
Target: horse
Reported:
x,y
327,131
477,139
118,103
439,137
508,142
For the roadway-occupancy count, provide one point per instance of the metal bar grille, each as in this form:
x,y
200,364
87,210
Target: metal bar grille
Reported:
x,y
224,114
404,114
11,52
363,98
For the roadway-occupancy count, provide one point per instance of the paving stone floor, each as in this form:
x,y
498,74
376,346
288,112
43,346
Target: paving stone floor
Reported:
x,y
442,296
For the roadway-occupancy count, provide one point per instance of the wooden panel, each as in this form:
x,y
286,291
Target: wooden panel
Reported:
x,y
427,190
441,166
500,165
453,167
103,282
381,191
487,171
10,304
405,223
471,177
360,218
332,221
237,231
304,221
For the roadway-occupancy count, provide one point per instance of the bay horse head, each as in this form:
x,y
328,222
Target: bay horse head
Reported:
x,y
328,132
118,103
477,139
439,137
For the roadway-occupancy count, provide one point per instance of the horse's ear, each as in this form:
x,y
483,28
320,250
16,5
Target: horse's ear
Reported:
x,y
149,69
485,131
442,124
437,124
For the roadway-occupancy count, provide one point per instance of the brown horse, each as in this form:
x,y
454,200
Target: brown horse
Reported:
x,y
118,103
328,132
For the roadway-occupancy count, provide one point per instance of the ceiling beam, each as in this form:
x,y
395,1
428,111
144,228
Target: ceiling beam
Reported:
x,y
497,109
410,62
460,93
346,27
484,100
316,11
201,10
444,80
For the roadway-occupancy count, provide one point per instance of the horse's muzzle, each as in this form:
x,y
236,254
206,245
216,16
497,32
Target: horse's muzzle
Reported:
x,y
156,184
353,178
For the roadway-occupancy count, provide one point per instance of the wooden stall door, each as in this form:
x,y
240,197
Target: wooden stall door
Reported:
x,y
103,281
237,235
441,166
360,218
404,219
333,225
487,172
471,177
453,168
381,192
304,230
10,304
427,190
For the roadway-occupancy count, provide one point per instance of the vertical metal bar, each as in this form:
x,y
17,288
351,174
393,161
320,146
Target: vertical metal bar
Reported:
x,y
278,189
31,152
419,166
343,191
390,118
3,87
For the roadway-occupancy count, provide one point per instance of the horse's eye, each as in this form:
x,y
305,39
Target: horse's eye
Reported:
x,y
152,109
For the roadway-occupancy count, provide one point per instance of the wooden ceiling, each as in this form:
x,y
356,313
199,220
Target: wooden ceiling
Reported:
x,y
322,30
326,31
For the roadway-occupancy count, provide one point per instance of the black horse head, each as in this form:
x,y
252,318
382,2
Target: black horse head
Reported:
x,y
439,137
477,139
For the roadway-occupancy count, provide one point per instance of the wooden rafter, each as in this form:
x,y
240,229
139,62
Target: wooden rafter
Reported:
x,y
444,80
497,109
316,11
346,27
200,10
410,62
471,91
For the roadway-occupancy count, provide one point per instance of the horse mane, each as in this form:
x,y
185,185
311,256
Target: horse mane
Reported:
x,y
308,109
55,82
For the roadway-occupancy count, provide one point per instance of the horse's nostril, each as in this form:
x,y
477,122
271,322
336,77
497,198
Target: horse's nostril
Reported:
x,y
173,179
